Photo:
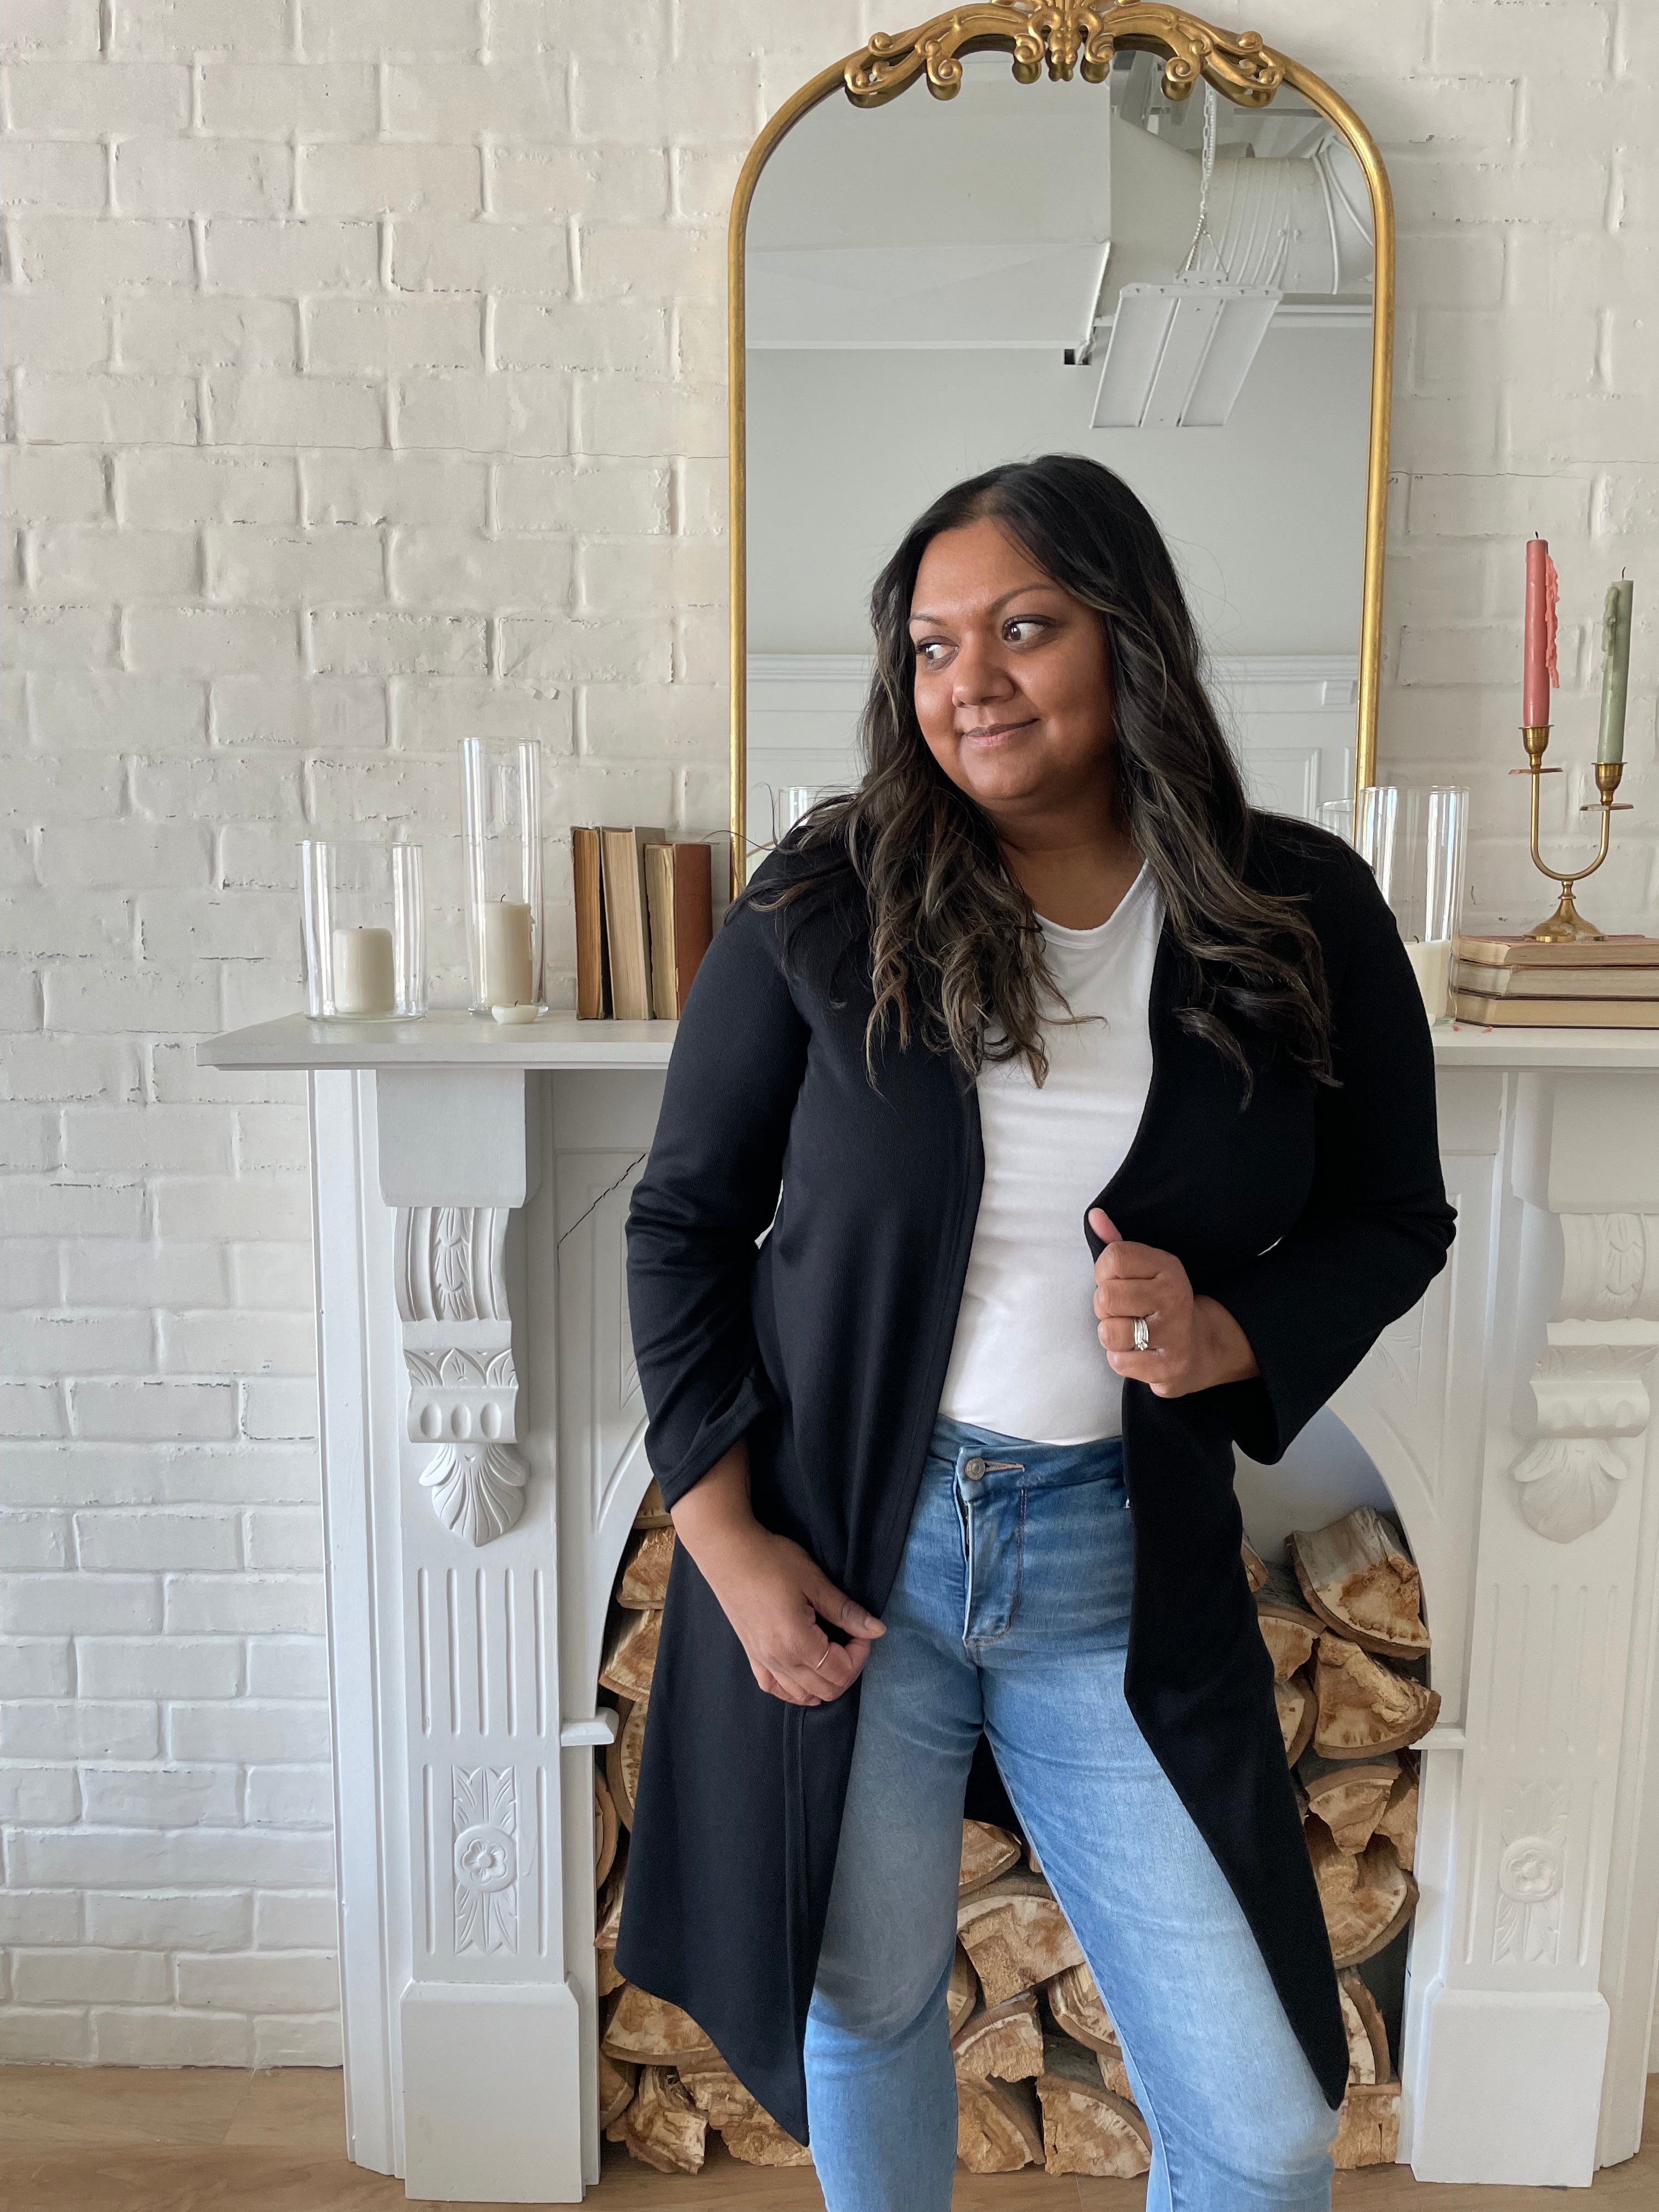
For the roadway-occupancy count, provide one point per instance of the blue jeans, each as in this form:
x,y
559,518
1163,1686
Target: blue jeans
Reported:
x,y
1011,1612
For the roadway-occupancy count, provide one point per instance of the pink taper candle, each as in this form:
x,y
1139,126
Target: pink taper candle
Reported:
x,y
1541,671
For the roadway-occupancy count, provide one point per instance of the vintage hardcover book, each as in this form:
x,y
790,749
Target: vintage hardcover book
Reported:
x,y
622,854
679,882
1555,982
1527,952
1556,1013
592,969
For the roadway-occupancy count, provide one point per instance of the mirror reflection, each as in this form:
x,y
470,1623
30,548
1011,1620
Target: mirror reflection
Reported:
x,y
1180,289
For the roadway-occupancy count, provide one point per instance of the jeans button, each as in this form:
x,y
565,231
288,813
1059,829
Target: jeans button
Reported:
x,y
973,1469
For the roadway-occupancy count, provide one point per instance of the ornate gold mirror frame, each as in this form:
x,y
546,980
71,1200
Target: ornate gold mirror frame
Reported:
x,y
1067,38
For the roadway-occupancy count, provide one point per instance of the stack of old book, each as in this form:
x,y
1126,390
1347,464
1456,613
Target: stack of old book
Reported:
x,y
1515,982
644,918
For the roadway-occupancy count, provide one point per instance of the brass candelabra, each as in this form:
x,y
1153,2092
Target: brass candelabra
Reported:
x,y
1566,926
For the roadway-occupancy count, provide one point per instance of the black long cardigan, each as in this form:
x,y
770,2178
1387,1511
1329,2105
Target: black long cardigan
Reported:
x,y
1315,1216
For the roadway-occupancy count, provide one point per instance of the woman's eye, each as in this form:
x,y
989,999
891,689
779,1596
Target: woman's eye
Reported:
x,y
1031,623
931,652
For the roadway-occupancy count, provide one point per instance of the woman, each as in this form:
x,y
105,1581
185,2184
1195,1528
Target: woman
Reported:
x,y
1098,1113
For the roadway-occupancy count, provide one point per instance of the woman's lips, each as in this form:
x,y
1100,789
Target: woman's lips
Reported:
x,y
995,733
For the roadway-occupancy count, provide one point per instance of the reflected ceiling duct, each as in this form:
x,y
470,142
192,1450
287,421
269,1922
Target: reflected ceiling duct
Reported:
x,y
1179,353
1180,349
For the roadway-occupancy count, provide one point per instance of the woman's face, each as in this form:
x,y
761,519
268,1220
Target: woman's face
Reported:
x,y
1013,680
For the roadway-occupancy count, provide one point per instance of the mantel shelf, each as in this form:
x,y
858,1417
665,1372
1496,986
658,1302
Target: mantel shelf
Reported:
x,y
461,1040
441,1040
1462,1044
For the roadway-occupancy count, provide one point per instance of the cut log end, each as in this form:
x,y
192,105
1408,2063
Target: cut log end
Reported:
x,y
963,1995
1290,1631
1005,2040
1369,2058
1368,2128
617,2083
631,1654
1298,1715
760,2140
746,2128
1358,1577
1399,1819
1016,1935
1079,2010
660,2125
605,1829
652,1513
642,1584
998,2127
1085,2128
609,1908
987,1851
1368,1898
648,2030
1350,1798
621,1757
1364,1706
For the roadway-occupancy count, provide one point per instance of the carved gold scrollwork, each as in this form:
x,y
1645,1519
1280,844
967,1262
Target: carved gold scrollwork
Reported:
x,y
1069,37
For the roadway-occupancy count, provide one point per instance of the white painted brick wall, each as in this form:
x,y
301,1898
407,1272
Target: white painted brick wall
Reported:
x,y
364,385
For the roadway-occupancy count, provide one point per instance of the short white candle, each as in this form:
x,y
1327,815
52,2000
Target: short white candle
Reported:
x,y
1431,965
364,982
506,953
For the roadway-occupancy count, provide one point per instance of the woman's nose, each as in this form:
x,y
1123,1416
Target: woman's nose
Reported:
x,y
978,674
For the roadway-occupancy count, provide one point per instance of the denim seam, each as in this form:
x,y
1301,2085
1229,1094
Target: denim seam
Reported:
x,y
982,1643
1149,2112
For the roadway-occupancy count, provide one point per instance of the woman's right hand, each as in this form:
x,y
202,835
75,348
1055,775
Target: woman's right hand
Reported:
x,y
771,1590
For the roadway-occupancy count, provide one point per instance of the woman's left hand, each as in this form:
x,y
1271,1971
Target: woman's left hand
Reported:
x,y
1194,1343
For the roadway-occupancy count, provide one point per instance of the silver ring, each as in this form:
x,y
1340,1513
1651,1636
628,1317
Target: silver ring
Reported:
x,y
827,1649
1143,1334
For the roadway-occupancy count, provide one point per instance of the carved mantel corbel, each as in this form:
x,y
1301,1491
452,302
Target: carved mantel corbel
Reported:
x,y
1590,1386
463,1386
454,1154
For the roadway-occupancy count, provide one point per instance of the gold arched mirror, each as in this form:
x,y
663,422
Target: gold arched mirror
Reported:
x,y
1114,229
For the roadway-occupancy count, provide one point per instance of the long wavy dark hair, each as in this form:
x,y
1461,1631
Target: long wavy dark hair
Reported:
x,y
955,942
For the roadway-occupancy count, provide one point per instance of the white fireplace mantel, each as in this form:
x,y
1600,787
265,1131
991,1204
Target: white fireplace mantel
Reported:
x,y
483,1455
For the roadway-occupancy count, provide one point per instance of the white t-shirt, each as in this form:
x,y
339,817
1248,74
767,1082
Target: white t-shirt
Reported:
x,y
1027,1360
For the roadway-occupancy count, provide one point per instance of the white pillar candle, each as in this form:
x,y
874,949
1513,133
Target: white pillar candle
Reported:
x,y
363,973
1431,965
507,977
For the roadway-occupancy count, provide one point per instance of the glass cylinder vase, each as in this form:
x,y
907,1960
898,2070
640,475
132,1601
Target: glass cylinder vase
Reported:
x,y
1439,825
363,929
1375,814
1448,841
501,816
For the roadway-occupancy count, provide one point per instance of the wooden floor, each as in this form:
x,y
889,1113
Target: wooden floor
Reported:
x,y
205,2140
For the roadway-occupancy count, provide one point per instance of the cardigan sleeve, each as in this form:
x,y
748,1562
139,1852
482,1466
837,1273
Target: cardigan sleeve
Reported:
x,y
1376,1228
709,1188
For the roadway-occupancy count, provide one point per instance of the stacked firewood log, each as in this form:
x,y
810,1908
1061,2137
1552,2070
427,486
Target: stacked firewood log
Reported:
x,y
1041,2079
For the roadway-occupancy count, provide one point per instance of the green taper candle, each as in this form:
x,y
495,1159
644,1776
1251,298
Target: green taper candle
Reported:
x,y
1615,669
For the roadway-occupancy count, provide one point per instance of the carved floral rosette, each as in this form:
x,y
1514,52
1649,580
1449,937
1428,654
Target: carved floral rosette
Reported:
x,y
484,1824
